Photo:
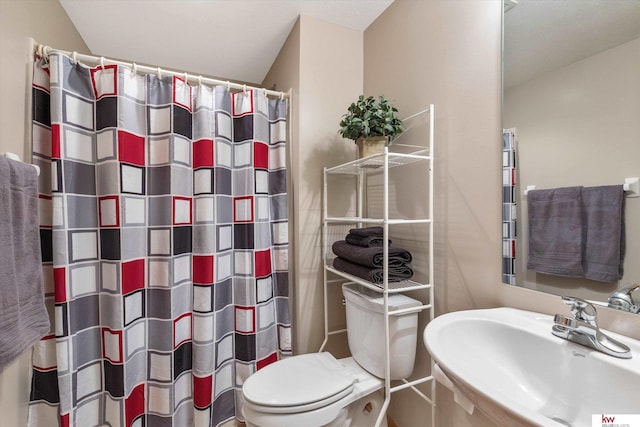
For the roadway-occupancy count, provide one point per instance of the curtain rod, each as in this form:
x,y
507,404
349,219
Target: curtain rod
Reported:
x,y
44,51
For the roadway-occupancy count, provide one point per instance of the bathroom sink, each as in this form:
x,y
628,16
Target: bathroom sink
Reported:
x,y
507,363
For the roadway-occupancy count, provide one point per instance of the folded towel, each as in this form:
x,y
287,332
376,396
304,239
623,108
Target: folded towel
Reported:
x,y
605,240
373,275
364,241
370,257
556,231
367,231
23,317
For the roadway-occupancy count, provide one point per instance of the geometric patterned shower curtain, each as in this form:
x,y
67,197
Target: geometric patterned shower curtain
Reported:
x,y
509,207
163,213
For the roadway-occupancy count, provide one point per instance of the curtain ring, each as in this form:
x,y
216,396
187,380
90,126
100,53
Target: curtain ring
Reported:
x,y
281,96
74,56
228,86
102,62
264,92
244,89
199,80
159,74
135,68
186,78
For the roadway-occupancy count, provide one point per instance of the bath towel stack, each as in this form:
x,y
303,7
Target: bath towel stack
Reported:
x,y
361,254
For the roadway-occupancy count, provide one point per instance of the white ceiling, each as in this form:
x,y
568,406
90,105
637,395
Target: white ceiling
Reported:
x,y
229,39
543,35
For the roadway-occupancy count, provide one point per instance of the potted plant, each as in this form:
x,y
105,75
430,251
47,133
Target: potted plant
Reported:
x,y
371,123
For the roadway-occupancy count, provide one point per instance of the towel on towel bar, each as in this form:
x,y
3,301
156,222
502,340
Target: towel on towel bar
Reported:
x,y
23,317
556,231
605,238
367,231
364,241
373,275
370,257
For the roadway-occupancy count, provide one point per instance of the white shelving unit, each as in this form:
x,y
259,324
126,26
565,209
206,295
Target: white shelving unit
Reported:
x,y
360,169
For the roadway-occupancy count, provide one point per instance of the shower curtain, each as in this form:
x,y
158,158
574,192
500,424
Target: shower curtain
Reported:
x,y
163,212
509,205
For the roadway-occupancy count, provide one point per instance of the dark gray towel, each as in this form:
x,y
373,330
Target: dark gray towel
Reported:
x,y
605,240
556,231
23,317
364,241
370,257
367,231
373,275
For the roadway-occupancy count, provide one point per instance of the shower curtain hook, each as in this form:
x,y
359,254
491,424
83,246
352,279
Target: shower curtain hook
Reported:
x,y
102,62
159,74
135,68
264,92
228,86
186,78
281,96
74,56
199,80
244,89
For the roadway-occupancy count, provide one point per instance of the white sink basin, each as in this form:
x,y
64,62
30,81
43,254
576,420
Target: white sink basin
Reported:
x,y
511,367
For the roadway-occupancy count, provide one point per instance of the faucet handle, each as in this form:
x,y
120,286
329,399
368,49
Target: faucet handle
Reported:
x,y
581,309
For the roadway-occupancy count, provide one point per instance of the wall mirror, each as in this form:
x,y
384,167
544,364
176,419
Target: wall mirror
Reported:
x,y
571,102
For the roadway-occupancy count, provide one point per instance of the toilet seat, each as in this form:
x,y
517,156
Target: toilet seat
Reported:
x,y
305,383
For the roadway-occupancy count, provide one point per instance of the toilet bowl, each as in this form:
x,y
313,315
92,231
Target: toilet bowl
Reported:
x,y
317,390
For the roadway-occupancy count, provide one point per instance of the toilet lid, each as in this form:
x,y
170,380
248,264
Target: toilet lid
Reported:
x,y
299,381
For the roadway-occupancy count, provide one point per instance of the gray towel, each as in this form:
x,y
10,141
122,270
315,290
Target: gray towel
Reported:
x,y
556,231
370,257
367,231
23,317
605,240
364,241
373,275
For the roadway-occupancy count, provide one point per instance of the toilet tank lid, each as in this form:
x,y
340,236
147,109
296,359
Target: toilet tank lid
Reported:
x,y
298,380
373,300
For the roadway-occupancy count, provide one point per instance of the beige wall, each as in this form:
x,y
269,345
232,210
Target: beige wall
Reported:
x,y
579,125
47,23
324,63
448,53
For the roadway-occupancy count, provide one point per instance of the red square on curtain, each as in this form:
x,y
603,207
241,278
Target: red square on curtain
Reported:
x,y
130,148
134,404
263,263
55,141
202,387
260,155
60,284
132,276
273,357
203,269
203,153
64,420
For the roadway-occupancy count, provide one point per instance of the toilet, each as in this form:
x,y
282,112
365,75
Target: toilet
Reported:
x,y
317,390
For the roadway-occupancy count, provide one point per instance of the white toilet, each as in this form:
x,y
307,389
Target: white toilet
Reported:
x,y
317,390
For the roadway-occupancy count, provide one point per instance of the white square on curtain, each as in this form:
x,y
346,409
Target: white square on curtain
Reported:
x,y
277,157
112,346
242,103
262,181
204,209
159,273
112,411
181,150
79,112
160,242
160,399
160,367
262,208
264,289
84,244
44,354
134,85
280,233
45,210
278,132
41,78
78,146
135,338
108,212
131,179
106,148
83,280
181,211
134,210
41,140
224,125
182,389
242,155
245,320
224,237
132,307
182,92
182,269
243,371
109,273
87,412
47,279
223,379
202,299
105,81
263,104
63,350
159,151
266,315
182,330
58,209
284,337
202,417
243,263
159,120
243,209
137,422
202,326
223,269
280,259
224,350
202,181
204,97
89,380
223,154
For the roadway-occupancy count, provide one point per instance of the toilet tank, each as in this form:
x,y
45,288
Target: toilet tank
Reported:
x,y
365,330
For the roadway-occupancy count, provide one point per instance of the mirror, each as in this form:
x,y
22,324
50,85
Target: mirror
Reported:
x,y
571,96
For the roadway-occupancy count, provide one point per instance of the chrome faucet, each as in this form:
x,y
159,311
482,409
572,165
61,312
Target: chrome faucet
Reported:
x,y
583,329
623,300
